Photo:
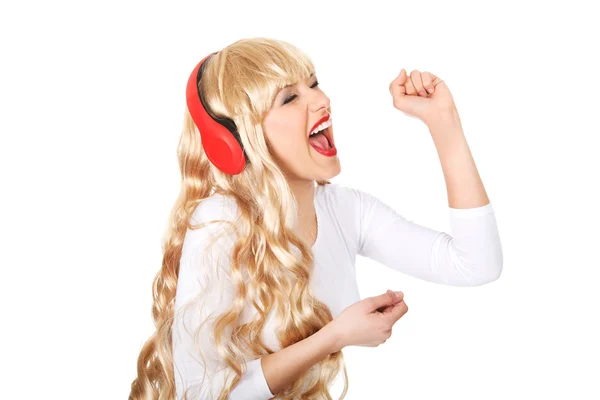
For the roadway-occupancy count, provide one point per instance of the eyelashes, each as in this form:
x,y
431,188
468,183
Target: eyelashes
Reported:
x,y
292,97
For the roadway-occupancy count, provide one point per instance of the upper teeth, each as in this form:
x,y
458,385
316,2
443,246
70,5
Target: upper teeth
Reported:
x,y
321,126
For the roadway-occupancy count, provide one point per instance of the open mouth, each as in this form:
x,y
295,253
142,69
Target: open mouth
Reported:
x,y
323,143
322,140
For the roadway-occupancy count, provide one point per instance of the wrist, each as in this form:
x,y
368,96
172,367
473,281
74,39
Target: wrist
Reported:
x,y
333,337
444,119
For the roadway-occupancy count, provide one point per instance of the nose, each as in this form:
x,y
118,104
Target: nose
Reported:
x,y
320,102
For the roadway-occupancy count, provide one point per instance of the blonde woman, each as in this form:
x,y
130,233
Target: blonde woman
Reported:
x,y
257,294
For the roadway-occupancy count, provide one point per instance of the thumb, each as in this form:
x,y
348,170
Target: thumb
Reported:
x,y
397,88
401,79
386,299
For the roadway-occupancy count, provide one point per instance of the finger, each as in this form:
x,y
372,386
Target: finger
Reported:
x,y
410,87
427,78
388,311
436,80
398,295
400,79
399,298
384,309
397,88
398,311
382,300
402,76
388,308
415,77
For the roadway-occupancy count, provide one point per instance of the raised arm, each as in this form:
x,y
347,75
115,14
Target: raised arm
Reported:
x,y
471,256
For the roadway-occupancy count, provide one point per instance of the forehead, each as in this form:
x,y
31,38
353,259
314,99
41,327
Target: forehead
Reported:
x,y
294,84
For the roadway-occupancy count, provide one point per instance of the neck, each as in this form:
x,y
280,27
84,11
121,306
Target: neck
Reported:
x,y
304,192
306,225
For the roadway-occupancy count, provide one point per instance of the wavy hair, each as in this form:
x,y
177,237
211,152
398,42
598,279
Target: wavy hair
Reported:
x,y
240,82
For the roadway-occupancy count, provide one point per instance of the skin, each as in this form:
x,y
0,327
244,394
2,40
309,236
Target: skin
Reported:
x,y
423,96
286,127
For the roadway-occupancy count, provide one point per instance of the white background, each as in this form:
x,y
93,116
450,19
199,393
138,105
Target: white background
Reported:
x,y
92,99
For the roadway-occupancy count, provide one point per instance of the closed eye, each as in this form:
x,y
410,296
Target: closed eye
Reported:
x,y
292,97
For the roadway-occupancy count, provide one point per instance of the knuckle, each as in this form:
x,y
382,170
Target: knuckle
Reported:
x,y
402,308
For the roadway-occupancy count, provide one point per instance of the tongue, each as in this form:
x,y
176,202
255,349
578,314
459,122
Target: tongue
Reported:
x,y
319,141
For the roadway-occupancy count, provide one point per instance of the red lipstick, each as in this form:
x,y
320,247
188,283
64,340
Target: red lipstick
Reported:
x,y
325,118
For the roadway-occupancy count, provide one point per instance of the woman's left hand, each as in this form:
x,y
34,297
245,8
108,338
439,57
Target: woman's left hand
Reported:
x,y
422,95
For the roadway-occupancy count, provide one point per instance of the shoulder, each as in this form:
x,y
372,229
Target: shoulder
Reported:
x,y
213,219
213,208
349,203
343,196
343,203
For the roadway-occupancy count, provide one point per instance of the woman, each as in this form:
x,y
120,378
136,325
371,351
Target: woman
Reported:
x,y
257,294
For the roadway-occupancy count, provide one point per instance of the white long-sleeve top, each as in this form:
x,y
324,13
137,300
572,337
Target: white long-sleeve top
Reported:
x,y
350,222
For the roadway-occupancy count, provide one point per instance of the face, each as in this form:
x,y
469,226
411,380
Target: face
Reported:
x,y
287,125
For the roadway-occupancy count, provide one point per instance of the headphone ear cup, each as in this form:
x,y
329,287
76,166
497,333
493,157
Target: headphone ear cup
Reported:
x,y
232,128
223,149
224,152
219,137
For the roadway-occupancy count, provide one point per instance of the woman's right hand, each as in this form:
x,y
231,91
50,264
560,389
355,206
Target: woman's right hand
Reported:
x,y
369,321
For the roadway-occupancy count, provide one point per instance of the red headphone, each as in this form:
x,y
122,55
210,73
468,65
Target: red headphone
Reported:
x,y
220,138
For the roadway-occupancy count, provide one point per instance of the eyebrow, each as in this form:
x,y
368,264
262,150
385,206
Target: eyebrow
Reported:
x,y
293,84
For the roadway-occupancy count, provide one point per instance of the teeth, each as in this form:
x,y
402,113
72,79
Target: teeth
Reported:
x,y
322,126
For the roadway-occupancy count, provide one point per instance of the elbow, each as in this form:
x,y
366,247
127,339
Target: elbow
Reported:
x,y
474,267
495,270
487,271
496,265
478,271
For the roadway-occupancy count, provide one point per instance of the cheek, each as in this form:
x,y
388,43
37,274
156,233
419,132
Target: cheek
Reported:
x,y
291,146
288,140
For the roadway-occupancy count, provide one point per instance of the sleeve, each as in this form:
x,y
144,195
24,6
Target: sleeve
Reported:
x,y
470,256
203,292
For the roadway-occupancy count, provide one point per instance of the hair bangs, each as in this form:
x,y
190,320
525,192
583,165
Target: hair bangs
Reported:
x,y
251,76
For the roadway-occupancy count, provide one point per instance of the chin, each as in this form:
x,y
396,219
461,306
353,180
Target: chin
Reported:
x,y
332,171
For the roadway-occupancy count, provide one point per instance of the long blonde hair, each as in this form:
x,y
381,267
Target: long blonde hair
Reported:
x,y
240,82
